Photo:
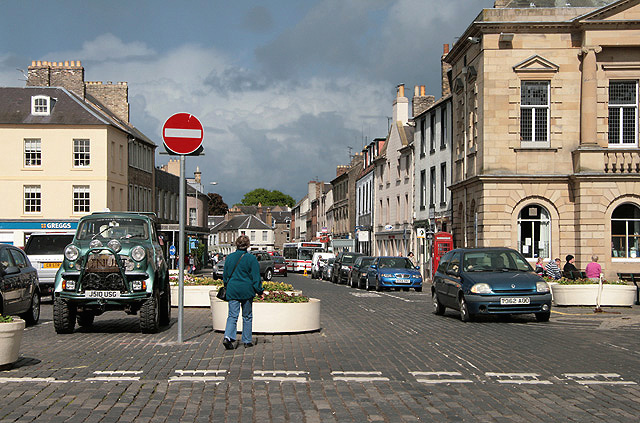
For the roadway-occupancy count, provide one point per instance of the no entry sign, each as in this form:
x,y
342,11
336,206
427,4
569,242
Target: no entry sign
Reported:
x,y
182,133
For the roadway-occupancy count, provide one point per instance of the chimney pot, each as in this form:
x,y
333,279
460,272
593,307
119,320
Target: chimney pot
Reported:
x,y
422,90
401,90
445,48
66,63
416,91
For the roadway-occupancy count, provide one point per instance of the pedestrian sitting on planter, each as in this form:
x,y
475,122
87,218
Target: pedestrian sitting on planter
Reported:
x,y
570,270
241,278
593,269
553,269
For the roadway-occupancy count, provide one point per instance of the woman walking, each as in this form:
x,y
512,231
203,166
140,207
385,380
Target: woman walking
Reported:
x,y
241,278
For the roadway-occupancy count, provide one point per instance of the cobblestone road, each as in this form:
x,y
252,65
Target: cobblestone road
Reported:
x,y
379,357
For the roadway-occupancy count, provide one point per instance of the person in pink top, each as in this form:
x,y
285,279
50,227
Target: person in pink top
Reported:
x,y
593,269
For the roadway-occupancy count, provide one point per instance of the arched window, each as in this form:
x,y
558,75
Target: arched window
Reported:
x,y
534,232
625,231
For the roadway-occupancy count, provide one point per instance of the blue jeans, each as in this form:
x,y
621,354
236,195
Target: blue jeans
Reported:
x,y
232,320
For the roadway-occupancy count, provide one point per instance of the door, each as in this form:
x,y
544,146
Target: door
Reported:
x,y
10,282
27,273
452,280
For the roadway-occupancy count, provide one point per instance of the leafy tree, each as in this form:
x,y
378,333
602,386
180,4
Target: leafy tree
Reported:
x,y
267,198
217,207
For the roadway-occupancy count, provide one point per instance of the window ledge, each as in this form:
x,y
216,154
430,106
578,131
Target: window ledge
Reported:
x,y
521,149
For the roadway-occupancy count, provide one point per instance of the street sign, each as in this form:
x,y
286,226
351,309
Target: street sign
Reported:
x,y
420,233
172,251
182,134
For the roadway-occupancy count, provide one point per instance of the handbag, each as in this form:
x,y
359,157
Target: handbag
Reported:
x,y
222,292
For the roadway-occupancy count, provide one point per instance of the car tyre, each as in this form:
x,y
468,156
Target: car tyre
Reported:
x,y
150,315
438,308
268,275
64,316
32,315
378,286
465,316
85,318
543,317
165,307
418,289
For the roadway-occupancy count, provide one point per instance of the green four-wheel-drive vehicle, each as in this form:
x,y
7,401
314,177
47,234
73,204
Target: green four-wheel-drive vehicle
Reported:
x,y
115,262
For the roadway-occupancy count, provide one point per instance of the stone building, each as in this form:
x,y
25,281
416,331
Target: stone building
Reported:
x,y
393,212
545,131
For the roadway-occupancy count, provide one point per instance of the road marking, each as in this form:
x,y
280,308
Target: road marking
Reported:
x,y
111,376
518,378
396,297
281,376
365,294
199,376
31,379
597,379
358,376
436,377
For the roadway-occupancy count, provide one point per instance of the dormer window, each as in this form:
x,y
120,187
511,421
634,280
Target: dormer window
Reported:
x,y
40,105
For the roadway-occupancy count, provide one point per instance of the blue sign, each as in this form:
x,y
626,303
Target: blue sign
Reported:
x,y
172,251
38,225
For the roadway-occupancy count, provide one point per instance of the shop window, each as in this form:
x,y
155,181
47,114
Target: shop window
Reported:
x,y
534,232
625,231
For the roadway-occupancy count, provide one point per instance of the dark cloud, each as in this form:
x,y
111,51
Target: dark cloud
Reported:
x,y
258,19
236,80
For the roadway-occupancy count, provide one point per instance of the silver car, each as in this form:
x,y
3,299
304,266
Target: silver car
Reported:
x,y
46,252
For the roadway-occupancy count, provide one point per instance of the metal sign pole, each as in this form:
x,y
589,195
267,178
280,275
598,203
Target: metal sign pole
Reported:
x,y
181,250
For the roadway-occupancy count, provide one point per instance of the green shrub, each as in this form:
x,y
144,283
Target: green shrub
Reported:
x,y
6,319
281,297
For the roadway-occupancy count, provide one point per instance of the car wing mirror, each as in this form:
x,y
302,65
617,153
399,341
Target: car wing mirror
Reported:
x,y
10,270
374,266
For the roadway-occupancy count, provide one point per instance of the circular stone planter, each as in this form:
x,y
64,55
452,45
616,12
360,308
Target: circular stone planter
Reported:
x,y
587,295
10,339
194,295
272,317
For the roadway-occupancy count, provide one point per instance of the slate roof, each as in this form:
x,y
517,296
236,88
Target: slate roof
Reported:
x,y
67,109
523,4
243,221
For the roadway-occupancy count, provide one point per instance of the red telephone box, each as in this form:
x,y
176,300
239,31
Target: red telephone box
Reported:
x,y
442,243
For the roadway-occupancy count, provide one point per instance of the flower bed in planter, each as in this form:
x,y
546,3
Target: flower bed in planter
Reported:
x,y
197,289
11,330
585,293
294,316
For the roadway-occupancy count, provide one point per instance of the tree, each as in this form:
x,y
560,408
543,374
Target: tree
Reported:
x,y
267,198
217,207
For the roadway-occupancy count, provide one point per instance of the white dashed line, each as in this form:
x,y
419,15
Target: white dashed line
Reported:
x,y
280,376
439,377
597,379
518,378
358,376
31,379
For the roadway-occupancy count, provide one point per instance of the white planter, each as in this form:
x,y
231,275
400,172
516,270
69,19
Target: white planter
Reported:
x,y
194,295
587,295
272,317
10,339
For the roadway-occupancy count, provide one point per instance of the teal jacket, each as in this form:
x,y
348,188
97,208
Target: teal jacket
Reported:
x,y
245,282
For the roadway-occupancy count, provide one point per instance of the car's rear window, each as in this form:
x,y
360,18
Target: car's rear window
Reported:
x,y
47,244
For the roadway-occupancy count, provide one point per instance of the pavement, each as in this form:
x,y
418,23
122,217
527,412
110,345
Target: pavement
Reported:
x,y
378,357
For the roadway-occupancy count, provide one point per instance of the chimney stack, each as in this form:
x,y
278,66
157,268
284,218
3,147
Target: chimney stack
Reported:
x,y
401,107
68,75
444,69
421,101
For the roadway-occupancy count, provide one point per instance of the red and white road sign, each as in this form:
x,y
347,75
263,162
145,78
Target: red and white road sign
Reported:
x,y
182,133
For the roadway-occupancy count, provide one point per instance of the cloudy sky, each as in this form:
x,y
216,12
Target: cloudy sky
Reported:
x,y
283,87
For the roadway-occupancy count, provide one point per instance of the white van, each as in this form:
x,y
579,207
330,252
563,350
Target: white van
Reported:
x,y
46,252
317,263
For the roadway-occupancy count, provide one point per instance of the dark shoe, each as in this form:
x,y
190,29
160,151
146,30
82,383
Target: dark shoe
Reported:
x,y
248,345
228,344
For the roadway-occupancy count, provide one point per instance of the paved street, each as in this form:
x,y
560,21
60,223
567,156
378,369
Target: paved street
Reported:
x,y
379,357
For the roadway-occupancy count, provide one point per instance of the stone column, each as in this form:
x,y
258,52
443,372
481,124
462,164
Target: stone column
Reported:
x,y
588,99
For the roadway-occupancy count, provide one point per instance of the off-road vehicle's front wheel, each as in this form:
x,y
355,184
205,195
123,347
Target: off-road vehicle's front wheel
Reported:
x,y
150,315
64,316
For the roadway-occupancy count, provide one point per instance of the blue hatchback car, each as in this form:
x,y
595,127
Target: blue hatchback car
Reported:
x,y
489,281
393,272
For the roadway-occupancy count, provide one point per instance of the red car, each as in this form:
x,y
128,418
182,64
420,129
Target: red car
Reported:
x,y
279,266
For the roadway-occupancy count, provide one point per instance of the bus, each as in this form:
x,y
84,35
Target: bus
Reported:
x,y
298,255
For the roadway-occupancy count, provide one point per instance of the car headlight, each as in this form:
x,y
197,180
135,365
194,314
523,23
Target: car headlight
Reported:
x,y
71,252
542,286
386,275
95,243
138,253
129,265
345,267
481,288
115,245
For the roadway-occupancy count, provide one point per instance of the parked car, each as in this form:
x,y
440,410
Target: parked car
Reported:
x,y
19,288
266,264
318,261
358,274
46,251
393,272
489,281
115,262
218,269
327,270
279,266
342,266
